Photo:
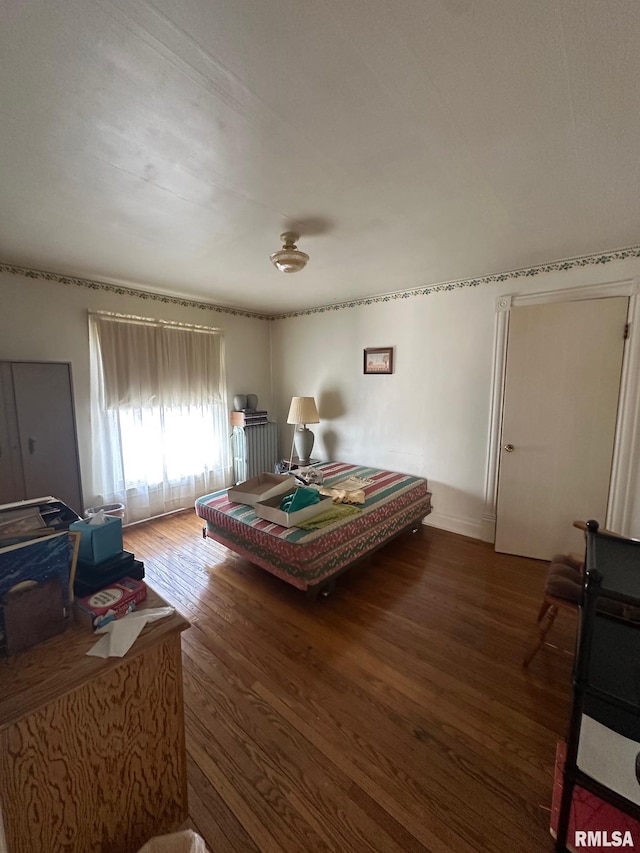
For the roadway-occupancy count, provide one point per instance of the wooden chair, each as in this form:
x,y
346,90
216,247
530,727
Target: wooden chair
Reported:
x,y
563,591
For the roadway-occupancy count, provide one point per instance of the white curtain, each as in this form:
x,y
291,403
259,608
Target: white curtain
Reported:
x,y
159,419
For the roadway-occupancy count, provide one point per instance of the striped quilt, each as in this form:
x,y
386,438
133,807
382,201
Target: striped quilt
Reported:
x,y
305,558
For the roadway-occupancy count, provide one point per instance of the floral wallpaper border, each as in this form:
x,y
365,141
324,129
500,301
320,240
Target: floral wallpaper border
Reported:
x,y
555,266
122,290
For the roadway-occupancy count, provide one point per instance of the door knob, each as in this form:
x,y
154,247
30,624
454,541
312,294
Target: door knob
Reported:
x,y
32,445
509,448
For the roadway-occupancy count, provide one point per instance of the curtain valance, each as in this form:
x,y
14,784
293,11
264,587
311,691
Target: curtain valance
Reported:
x,y
151,362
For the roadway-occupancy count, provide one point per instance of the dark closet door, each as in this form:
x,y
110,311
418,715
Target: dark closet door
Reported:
x,y
47,431
11,476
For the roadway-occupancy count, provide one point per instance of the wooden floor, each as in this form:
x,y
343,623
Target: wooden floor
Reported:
x,y
392,716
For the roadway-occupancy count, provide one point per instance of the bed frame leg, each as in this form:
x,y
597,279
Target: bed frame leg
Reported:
x,y
321,590
327,589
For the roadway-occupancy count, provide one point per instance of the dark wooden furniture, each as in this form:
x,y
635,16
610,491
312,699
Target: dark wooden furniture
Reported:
x,y
563,591
603,743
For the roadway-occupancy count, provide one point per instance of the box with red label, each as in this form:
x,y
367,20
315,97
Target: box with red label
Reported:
x,y
109,603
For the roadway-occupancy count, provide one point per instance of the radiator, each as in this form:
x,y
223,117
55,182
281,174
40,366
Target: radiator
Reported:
x,y
255,450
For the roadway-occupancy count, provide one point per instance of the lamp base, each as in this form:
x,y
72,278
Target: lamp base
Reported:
x,y
303,440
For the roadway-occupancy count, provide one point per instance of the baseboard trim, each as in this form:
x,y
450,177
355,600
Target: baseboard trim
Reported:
x,y
454,524
488,526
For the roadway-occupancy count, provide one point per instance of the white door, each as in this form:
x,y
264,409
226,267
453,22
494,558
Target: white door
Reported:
x,y
564,362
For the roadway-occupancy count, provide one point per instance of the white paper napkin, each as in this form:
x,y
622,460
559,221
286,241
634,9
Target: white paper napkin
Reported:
x,y
121,634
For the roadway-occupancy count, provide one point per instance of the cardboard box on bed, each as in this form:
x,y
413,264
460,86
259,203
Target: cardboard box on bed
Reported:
x,y
270,509
260,488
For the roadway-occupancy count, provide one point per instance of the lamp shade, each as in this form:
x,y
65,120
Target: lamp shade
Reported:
x,y
303,411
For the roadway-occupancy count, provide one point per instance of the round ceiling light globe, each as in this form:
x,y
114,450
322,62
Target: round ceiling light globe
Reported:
x,y
289,258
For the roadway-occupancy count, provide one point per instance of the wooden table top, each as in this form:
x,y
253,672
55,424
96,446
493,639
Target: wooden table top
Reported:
x,y
32,679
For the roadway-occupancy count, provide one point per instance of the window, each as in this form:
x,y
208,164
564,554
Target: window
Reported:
x,y
159,413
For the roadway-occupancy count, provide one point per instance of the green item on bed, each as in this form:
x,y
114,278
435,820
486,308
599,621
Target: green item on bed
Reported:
x,y
336,513
299,499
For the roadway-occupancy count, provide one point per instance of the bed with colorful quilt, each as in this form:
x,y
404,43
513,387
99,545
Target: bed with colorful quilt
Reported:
x,y
311,559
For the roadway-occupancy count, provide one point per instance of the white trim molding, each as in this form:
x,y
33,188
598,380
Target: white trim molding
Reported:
x,y
624,287
454,524
498,372
626,452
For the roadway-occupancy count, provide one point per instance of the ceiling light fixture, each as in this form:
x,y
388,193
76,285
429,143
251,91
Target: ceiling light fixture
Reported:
x,y
289,258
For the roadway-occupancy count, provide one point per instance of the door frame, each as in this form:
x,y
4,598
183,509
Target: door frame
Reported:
x,y
626,448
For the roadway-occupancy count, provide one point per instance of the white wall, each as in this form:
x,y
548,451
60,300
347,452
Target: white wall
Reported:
x,y
431,417
47,321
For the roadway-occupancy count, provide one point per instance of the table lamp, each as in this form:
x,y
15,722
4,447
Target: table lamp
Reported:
x,y
302,411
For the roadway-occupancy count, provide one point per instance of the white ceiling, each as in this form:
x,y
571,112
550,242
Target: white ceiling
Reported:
x,y
167,144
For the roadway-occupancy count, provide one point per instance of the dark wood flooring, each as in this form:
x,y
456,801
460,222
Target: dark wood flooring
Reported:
x,y
392,716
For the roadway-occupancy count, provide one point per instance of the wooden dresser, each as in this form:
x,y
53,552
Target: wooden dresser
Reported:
x,y
92,751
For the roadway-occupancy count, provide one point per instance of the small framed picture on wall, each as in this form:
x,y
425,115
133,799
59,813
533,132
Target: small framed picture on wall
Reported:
x,y
378,360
